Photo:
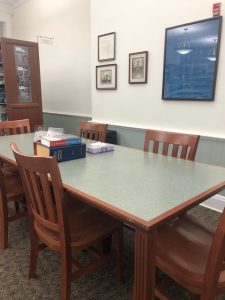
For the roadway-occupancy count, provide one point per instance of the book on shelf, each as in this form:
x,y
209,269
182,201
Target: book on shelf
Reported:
x,y
99,147
60,140
62,153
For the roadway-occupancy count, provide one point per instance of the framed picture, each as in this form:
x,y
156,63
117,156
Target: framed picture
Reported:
x,y
138,67
106,77
107,46
190,60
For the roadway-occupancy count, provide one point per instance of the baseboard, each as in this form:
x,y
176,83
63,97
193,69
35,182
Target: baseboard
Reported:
x,y
217,203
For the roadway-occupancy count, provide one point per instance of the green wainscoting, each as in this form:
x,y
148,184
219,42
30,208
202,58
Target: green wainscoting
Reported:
x,y
68,122
210,150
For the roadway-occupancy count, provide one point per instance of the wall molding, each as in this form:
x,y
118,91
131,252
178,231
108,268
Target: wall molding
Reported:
x,y
204,136
135,127
217,203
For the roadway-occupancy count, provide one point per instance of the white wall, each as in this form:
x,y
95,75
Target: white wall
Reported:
x,y
5,22
140,25
65,65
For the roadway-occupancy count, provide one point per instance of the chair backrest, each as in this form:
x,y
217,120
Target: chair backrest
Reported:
x,y
215,267
14,127
43,187
182,145
92,131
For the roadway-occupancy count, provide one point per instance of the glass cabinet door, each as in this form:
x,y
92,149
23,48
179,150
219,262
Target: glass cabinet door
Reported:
x,y
22,82
23,74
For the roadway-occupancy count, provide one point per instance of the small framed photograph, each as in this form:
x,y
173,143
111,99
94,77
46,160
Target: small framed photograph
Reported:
x,y
107,46
106,77
138,67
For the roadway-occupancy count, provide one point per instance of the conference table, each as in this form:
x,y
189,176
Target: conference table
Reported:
x,y
141,189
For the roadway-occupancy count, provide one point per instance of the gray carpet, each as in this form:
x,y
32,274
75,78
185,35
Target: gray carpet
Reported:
x,y
101,285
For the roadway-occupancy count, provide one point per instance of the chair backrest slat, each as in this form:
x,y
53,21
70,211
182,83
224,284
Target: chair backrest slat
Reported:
x,y
155,147
48,195
14,127
91,135
187,142
184,151
165,148
44,190
36,193
175,150
27,177
93,131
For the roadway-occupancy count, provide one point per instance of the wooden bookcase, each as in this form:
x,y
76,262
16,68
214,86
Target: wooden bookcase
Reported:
x,y
20,85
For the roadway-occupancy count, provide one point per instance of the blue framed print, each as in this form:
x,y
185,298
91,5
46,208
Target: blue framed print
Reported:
x,y
191,56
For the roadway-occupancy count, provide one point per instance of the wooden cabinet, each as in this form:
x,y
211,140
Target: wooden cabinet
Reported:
x,y
20,85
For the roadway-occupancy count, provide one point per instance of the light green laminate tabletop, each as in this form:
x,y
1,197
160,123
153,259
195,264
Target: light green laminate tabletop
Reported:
x,y
141,184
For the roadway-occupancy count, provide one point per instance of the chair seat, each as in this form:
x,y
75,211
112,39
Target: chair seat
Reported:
x,y
86,224
182,250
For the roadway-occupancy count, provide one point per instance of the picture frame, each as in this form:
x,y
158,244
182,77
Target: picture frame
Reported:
x,y
106,77
138,67
107,46
191,56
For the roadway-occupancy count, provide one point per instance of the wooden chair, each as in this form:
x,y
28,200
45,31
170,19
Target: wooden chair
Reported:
x,y
11,128
11,191
177,145
192,253
12,198
183,145
92,131
64,224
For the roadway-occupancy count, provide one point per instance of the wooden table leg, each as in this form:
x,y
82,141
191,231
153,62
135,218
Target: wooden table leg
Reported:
x,y
144,268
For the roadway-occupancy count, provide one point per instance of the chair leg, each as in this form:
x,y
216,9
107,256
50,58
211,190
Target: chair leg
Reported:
x,y
107,245
119,253
17,207
33,252
66,272
3,224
